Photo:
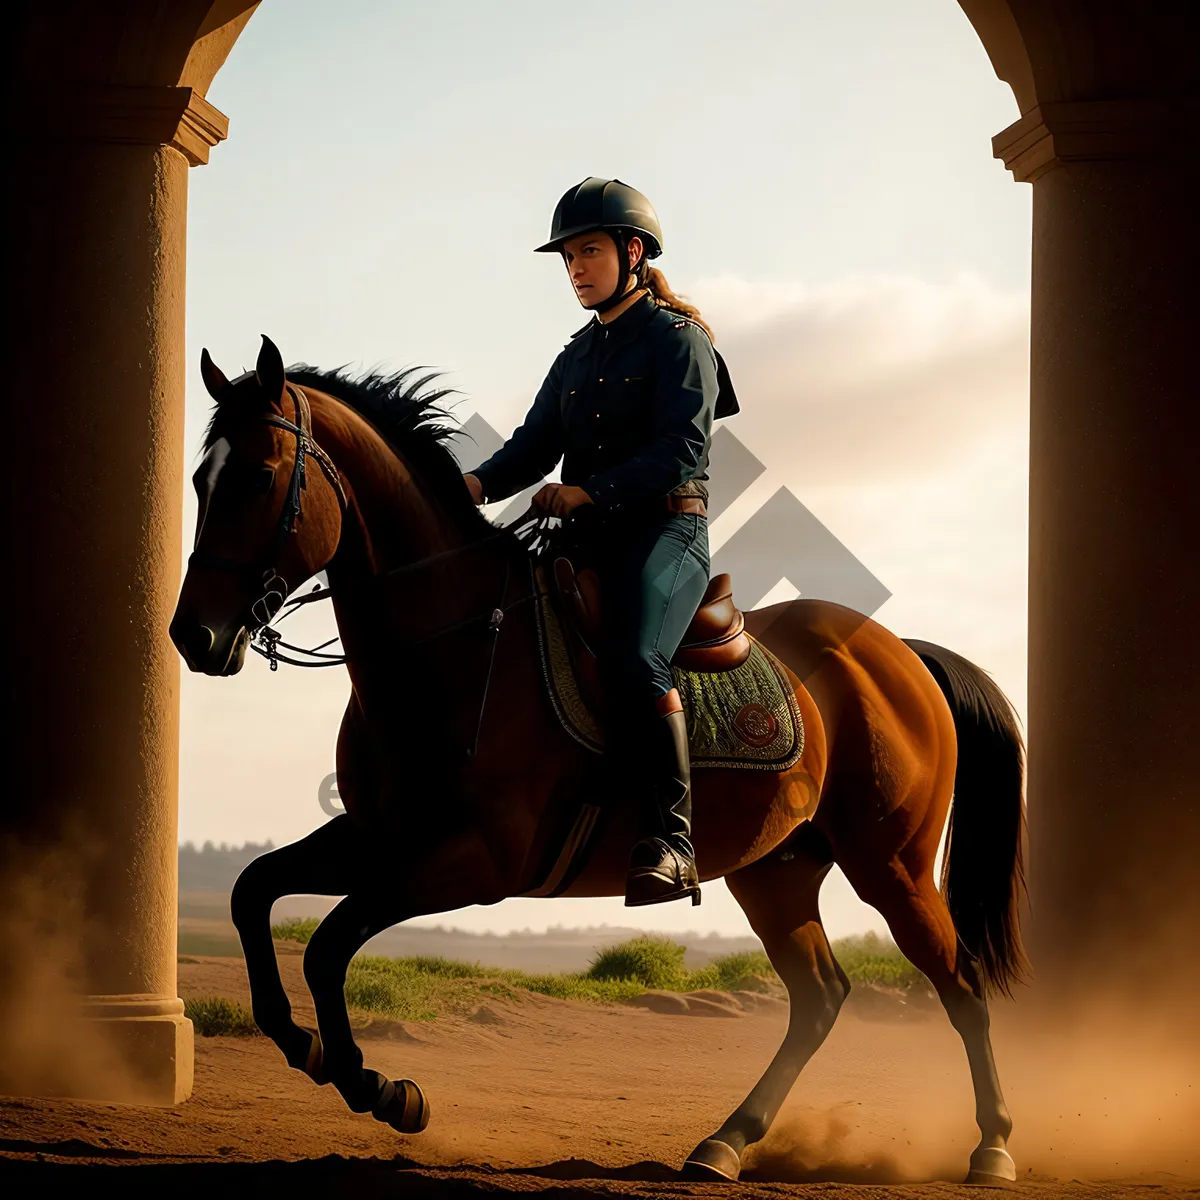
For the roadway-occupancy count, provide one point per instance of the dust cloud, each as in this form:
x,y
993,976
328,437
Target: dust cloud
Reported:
x,y
47,1047
1095,1094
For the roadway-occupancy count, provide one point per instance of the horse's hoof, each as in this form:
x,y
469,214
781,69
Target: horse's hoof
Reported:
x,y
712,1160
991,1164
402,1105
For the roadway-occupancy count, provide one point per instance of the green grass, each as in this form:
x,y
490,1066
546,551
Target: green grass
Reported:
x,y
419,989
870,959
423,988
214,1016
296,929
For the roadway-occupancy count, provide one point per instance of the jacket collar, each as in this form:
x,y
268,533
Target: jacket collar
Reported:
x,y
628,325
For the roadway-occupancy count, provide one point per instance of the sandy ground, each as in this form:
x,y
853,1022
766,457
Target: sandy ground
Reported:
x,y
571,1099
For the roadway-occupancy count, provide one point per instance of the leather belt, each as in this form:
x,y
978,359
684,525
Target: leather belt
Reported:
x,y
685,504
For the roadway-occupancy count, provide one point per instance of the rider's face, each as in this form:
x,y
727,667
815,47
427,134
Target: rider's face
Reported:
x,y
593,266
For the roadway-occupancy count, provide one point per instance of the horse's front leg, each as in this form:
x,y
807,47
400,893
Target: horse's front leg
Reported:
x,y
445,877
326,862
358,918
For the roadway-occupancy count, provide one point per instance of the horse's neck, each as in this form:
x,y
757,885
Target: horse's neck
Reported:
x,y
435,573
391,519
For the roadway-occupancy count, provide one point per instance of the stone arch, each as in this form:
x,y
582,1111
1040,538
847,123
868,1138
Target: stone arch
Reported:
x,y
109,110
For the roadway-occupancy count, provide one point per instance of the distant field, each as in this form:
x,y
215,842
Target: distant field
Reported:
x,y
205,928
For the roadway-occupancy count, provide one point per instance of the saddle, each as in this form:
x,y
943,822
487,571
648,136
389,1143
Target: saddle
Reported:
x,y
715,641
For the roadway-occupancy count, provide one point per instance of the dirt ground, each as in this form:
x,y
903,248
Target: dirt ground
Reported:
x,y
548,1096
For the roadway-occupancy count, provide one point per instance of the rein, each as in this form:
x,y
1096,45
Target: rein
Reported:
x,y
272,641
267,640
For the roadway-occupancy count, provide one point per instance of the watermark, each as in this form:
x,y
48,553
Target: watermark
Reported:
x,y
780,542
329,797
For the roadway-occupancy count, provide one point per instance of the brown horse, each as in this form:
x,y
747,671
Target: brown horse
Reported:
x,y
455,771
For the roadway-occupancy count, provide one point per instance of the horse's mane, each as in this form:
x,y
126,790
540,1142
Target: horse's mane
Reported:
x,y
410,419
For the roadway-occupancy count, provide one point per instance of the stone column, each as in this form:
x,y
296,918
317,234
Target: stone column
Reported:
x,y
1114,573
97,227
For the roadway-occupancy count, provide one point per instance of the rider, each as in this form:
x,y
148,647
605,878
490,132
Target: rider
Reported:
x,y
628,405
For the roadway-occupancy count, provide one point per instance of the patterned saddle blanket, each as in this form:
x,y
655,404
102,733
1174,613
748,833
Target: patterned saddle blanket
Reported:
x,y
746,717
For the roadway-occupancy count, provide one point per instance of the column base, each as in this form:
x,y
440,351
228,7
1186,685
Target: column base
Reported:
x,y
151,1040
115,1049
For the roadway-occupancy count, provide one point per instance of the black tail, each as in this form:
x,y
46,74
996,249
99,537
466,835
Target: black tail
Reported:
x,y
983,872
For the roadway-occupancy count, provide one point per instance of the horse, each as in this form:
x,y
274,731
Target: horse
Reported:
x,y
452,766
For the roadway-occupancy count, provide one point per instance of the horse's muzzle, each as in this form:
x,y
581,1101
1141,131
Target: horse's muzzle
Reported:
x,y
207,652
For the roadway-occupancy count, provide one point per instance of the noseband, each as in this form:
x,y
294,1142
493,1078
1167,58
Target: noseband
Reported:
x,y
262,572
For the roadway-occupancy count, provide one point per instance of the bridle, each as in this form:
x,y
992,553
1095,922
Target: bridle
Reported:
x,y
262,572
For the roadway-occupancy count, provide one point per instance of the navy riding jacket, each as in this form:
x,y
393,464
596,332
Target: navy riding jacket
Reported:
x,y
627,406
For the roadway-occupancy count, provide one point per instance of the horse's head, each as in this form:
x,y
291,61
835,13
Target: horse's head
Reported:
x,y
270,515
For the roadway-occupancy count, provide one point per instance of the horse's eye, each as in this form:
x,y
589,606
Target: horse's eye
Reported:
x,y
264,479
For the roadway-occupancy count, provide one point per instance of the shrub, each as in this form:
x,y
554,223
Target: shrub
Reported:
x,y
652,962
748,969
872,959
406,989
296,929
214,1016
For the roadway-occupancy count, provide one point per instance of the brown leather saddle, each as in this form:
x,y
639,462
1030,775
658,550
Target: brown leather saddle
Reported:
x,y
716,639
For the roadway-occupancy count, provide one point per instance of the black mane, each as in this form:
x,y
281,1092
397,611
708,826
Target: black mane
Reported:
x,y
409,418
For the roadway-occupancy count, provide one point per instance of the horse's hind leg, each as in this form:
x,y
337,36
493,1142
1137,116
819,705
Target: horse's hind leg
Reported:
x,y
323,863
916,913
779,896
357,919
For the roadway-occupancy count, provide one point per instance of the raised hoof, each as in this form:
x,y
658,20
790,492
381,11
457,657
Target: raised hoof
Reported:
x,y
992,1165
402,1105
712,1160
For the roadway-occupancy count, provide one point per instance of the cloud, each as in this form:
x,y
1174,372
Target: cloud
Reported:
x,y
896,410
868,380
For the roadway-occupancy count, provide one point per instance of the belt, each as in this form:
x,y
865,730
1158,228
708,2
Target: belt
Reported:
x,y
685,504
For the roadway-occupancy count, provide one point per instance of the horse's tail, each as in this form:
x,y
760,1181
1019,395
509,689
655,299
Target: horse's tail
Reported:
x,y
983,872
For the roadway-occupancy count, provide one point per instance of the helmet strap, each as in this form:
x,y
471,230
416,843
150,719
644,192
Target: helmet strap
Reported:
x,y
621,238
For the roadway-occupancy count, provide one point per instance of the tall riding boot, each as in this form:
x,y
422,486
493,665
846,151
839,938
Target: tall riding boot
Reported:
x,y
663,866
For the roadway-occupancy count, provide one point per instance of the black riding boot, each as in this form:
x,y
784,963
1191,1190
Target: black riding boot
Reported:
x,y
663,866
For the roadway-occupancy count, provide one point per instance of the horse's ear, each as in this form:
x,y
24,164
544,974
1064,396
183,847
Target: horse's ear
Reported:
x,y
213,376
269,370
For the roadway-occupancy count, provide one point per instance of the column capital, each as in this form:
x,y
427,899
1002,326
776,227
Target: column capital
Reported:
x,y
1052,134
138,115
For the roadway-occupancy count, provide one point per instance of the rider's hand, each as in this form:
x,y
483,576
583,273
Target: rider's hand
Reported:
x,y
561,499
474,487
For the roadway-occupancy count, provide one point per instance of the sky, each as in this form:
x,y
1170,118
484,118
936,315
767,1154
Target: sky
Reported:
x,y
824,178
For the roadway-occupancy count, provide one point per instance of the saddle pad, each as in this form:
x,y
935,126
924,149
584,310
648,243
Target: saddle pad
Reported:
x,y
747,717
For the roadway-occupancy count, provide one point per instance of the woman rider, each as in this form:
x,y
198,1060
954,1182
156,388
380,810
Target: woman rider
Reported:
x,y
628,405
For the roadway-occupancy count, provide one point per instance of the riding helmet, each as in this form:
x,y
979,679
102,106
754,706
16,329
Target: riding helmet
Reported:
x,y
606,204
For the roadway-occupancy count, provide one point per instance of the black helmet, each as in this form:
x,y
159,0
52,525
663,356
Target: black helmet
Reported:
x,y
606,204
